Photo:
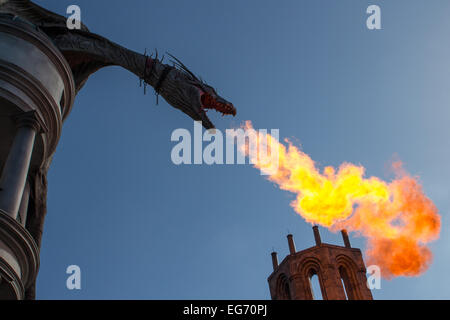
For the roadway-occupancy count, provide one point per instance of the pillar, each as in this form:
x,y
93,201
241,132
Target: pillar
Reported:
x,y
15,170
23,209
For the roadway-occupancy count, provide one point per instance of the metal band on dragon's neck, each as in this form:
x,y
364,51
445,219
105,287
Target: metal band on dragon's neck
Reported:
x,y
163,77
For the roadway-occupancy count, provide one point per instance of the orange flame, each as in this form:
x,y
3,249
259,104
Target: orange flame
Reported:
x,y
397,218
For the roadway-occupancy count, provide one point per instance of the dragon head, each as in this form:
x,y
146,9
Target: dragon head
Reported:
x,y
184,91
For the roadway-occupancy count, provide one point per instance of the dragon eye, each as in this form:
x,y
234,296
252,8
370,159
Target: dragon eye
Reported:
x,y
212,90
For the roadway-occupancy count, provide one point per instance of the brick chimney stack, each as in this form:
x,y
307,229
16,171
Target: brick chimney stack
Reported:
x,y
274,260
317,235
291,243
345,238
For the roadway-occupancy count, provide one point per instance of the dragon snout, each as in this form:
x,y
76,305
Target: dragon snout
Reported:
x,y
218,104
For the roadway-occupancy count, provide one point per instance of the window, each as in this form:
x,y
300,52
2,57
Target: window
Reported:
x,y
287,292
345,289
314,283
283,288
345,280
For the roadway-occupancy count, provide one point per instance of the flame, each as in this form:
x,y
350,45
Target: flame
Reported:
x,y
397,218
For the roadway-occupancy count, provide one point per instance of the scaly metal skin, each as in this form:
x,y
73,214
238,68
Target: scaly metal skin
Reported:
x,y
86,53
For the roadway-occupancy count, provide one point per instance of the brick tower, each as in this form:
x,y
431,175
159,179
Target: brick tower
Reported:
x,y
340,271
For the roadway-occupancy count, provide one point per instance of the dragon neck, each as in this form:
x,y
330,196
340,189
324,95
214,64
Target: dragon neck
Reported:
x,y
87,53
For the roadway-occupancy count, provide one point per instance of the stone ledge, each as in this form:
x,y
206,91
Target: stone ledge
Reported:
x,y
22,246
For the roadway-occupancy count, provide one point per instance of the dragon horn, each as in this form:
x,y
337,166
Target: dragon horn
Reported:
x,y
182,66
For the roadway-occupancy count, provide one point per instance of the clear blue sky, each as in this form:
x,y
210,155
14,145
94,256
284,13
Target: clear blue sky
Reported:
x,y
141,227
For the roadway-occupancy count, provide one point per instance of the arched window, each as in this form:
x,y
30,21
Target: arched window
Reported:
x,y
284,292
346,284
345,289
314,283
287,291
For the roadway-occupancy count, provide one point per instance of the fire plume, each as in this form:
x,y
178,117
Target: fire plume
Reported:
x,y
396,217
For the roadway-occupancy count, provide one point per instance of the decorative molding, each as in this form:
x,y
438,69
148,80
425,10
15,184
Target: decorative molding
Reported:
x,y
22,244
45,44
31,119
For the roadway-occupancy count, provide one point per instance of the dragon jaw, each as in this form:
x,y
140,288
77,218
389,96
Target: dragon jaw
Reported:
x,y
210,100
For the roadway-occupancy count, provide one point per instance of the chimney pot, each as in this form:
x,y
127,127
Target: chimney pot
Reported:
x,y
274,260
291,243
345,238
317,235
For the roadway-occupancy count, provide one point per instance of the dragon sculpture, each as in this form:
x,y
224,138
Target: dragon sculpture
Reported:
x,y
86,53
